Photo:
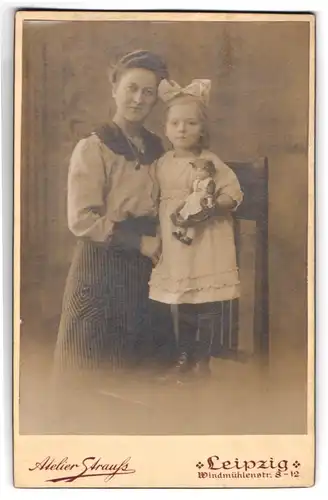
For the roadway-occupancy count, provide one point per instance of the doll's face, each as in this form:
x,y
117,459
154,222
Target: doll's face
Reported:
x,y
199,169
201,174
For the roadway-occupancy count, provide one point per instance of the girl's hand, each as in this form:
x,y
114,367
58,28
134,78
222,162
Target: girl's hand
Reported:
x,y
150,247
224,204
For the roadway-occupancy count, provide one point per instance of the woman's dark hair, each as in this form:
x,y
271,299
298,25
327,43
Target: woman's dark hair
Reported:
x,y
140,59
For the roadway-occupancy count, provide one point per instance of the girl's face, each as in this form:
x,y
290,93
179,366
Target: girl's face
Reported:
x,y
135,94
184,126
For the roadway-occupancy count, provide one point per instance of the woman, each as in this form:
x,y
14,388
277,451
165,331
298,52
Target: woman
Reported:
x,y
112,211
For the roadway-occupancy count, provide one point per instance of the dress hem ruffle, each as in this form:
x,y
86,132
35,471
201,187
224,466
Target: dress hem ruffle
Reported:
x,y
210,294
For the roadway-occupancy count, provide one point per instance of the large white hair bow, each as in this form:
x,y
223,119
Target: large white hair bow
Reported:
x,y
169,89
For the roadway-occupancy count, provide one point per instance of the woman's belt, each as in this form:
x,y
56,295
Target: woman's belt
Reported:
x,y
143,225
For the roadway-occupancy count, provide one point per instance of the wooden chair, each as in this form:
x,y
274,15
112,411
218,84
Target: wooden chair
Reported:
x,y
253,178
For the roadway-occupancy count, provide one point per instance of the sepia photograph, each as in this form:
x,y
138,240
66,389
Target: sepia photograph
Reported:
x,y
164,257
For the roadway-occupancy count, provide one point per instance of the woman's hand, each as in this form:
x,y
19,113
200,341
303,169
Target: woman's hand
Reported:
x,y
150,246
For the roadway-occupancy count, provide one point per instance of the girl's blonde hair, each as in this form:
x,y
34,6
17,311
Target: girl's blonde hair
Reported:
x,y
204,141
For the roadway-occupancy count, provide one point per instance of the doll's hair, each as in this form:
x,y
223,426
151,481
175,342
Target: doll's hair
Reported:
x,y
206,165
204,141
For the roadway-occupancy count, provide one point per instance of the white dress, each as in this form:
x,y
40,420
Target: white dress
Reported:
x,y
205,271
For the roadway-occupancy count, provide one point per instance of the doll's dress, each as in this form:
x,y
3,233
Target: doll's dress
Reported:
x,y
193,205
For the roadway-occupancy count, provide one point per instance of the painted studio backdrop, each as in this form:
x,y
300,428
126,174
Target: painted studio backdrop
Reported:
x,y
259,108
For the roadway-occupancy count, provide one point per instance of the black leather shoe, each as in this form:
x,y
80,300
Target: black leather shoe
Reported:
x,y
179,371
202,369
183,365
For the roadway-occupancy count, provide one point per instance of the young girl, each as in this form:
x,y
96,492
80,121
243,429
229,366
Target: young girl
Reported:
x,y
201,276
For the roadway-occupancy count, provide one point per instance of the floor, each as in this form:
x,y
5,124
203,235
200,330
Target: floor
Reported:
x,y
240,398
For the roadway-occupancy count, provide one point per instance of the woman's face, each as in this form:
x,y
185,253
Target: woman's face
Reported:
x,y
184,126
135,94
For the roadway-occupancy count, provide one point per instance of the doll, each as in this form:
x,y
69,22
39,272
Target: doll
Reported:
x,y
197,206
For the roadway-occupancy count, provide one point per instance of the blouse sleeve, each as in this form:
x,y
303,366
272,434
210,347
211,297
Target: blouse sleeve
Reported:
x,y
227,183
86,185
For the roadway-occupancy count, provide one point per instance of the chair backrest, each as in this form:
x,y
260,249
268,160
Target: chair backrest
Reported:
x,y
253,179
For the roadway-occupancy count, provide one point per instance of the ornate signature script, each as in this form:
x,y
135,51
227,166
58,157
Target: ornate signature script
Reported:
x,y
88,467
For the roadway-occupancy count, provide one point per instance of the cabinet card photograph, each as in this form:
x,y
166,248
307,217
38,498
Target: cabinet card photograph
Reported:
x,y
164,249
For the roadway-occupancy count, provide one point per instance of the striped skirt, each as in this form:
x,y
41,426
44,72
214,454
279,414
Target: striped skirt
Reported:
x,y
104,322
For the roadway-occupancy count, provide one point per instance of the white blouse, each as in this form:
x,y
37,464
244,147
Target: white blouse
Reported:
x,y
104,188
